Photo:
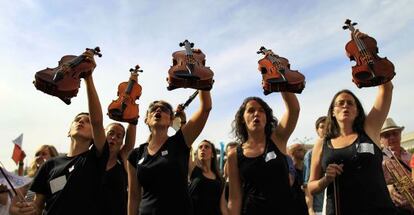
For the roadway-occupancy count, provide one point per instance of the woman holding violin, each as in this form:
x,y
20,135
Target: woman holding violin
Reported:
x,y
258,168
157,170
347,160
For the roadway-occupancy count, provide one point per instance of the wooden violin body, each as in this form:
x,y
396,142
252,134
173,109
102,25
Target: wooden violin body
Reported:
x,y
124,109
64,80
277,75
370,69
189,70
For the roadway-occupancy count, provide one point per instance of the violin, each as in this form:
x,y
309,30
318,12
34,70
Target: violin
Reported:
x,y
370,69
277,75
64,80
189,70
124,109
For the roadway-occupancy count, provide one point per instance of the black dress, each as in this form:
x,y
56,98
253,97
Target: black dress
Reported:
x,y
265,182
205,193
361,187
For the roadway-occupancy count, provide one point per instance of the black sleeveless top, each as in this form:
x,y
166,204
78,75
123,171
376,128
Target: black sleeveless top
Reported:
x,y
163,177
115,193
265,182
205,193
361,187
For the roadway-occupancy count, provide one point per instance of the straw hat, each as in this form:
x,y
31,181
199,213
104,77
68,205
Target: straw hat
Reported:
x,y
389,125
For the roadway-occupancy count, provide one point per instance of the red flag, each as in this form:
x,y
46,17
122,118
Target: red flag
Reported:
x,y
18,153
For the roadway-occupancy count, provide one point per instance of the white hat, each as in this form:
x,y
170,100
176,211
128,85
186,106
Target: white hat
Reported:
x,y
389,125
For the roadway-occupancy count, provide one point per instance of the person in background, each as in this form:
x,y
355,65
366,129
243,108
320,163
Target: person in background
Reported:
x,y
115,180
314,202
44,153
206,185
390,139
297,152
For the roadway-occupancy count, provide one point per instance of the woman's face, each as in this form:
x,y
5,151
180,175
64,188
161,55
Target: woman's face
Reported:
x,y
115,136
159,115
345,109
254,116
45,154
204,151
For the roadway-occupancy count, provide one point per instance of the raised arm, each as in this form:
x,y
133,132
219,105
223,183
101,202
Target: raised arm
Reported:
x,y
95,112
376,117
195,125
235,193
134,190
130,137
288,121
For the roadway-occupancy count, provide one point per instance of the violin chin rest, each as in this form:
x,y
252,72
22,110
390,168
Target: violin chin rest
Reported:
x,y
276,80
187,76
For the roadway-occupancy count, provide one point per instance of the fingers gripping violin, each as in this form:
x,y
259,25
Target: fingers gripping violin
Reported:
x,y
124,109
370,69
64,80
277,75
189,70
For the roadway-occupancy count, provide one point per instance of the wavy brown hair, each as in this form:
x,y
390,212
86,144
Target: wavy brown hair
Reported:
x,y
239,125
332,127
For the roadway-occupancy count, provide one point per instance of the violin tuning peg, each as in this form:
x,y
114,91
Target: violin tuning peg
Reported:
x,y
345,27
353,24
192,45
347,21
181,44
97,49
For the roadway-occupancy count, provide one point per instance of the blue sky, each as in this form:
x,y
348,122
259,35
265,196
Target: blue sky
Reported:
x,y
36,34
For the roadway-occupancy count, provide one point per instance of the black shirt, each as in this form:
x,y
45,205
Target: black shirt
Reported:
x,y
361,187
83,175
205,193
265,182
115,193
163,177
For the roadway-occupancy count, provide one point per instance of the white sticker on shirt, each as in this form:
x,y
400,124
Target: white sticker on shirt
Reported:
x,y
165,152
71,168
57,184
140,161
366,148
270,156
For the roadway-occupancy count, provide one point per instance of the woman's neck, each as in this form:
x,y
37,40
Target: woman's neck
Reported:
x,y
206,165
345,129
158,136
256,138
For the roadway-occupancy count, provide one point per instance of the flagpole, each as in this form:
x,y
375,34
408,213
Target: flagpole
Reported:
x,y
11,185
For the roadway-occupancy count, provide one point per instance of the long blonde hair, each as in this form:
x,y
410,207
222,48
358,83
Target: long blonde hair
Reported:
x,y
32,170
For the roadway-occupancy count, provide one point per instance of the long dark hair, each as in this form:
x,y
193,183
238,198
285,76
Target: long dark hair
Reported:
x,y
239,125
213,162
332,127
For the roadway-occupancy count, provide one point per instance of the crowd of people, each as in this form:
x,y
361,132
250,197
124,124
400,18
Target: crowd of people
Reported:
x,y
349,170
